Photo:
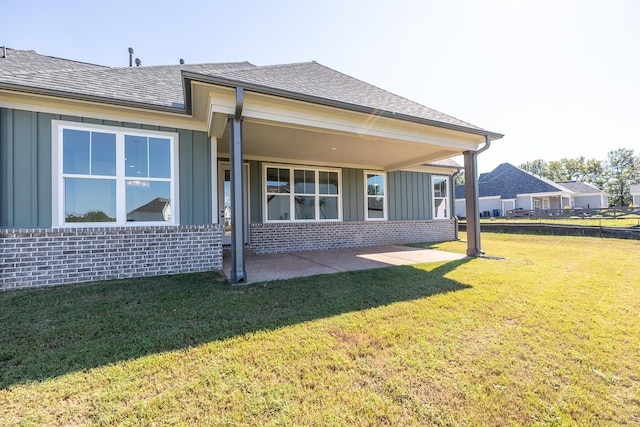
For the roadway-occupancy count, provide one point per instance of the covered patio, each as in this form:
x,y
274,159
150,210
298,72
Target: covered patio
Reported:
x,y
375,151
267,267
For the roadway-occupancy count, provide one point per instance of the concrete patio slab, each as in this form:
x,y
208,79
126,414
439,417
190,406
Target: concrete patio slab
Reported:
x,y
262,268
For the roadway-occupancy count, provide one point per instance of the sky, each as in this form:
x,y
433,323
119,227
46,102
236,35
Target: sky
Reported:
x,y
559,78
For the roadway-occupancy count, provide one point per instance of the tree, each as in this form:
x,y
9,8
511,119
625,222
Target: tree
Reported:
x,y
593,174
91,216
537,167
579,169
621,169
556,171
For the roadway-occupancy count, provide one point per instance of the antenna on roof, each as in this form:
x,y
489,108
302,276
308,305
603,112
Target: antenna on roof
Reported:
x,y
181,61
131,52
138,62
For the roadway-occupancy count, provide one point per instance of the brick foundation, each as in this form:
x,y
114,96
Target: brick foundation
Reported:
x,y
44,257
296,236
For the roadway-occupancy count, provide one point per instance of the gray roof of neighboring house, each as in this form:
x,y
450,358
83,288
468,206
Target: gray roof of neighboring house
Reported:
x,y
507,181
579,187
161,87
156,205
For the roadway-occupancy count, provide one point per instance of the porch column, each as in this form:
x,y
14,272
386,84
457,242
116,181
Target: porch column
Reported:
x,y
238,272
472,203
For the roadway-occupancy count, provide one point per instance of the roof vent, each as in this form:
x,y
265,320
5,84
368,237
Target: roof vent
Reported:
x,y
4,52
181,61
131,52
138,62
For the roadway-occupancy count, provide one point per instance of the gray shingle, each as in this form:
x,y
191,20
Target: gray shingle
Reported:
x,y
311,78
28,61
507,181
579,187
161,86
155,85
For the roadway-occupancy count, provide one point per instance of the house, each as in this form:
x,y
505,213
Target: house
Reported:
x,y
110,172
158,209
635,194
508,187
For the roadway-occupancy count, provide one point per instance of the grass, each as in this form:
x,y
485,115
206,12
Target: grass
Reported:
x,y
549,336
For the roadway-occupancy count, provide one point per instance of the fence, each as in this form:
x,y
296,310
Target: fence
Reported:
x,y
613,212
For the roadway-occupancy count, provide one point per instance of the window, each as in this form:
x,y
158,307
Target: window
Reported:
x,y
440,197
113,176
545,203
302,194
375,202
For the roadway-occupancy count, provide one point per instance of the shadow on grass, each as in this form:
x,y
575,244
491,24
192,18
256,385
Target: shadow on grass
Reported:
x,y
49,332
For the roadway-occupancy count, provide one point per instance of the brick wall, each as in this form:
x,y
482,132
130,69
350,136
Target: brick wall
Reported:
x,y
43,257
295,237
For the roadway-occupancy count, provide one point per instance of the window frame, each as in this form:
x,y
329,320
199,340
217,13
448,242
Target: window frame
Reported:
x,y
447,198
58,176
385,196
292,168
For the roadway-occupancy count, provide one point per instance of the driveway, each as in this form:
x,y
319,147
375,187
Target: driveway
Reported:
x,y
262,268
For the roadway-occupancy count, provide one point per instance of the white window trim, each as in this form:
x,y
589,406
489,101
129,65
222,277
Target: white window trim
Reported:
x,y
385,196
447,198
57,190
316,169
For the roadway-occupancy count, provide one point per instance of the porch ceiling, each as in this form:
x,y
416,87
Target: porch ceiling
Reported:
x,y
313,146
288,130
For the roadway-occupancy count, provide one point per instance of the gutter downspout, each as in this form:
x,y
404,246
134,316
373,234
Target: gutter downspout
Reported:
x,y
474,247
238,271
453,201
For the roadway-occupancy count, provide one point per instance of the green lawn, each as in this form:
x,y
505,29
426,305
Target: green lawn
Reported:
x,y
548,336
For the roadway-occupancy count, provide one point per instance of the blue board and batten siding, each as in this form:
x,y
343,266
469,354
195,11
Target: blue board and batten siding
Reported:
x,y
409,195
25,176
25,169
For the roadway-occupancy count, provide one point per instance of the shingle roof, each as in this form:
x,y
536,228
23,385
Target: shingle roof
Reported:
x,y
507,181
161,86
579,187
317,80
154,206
154,86
28,61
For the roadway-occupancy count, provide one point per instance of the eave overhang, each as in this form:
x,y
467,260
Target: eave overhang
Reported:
x,y
189,77
91,98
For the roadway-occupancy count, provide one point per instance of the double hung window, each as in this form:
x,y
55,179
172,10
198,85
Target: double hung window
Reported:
x,y
375,196
440,197
113,176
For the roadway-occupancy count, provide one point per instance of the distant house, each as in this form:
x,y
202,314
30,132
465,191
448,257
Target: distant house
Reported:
x,y
112,172
509,187
158,209
635,193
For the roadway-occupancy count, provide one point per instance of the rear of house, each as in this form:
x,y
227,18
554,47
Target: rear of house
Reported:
x,y
124,172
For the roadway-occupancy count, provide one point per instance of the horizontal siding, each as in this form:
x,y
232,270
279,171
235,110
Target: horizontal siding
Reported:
x,y
25,169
